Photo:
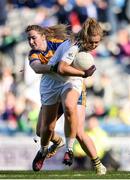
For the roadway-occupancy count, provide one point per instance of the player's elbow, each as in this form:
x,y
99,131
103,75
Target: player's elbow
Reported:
x,y
61,69
36,70
35,67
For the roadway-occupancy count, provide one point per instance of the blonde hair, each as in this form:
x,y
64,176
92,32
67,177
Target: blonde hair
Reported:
x,y
52,32
91,27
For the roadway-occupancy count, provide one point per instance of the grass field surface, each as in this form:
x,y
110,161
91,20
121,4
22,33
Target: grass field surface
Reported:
x,y
62,175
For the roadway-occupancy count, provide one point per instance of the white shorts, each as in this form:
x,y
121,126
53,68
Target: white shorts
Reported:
x,y
52,89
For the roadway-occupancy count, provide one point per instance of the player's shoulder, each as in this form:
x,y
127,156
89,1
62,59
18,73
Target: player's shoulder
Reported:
x,y
54,40
74,48
33,54
71,52
66,45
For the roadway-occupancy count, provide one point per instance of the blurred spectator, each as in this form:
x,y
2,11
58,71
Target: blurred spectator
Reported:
x,y
3,12
25,3
88,8
107,90
101,140
2,108
8,83
123,44
102,10
99,108
117,14
8,114
124,112
27,114
126,10
64,7
103,14
80,12
33,116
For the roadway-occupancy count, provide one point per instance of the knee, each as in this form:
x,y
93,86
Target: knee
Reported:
x,y
80,134
69,108
48,128
51,127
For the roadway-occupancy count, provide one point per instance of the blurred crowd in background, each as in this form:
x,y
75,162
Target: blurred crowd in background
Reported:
x,y
108,91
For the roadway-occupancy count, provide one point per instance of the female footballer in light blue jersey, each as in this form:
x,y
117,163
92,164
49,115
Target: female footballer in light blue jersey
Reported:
x,y
80,135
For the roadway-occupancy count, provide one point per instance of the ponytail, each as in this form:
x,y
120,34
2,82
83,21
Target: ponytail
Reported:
x,y
91,27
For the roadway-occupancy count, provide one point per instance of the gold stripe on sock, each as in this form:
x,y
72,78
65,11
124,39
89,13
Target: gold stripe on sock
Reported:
x,y
96,161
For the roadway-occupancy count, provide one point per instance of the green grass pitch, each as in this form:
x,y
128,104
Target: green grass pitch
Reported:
x,y
66,174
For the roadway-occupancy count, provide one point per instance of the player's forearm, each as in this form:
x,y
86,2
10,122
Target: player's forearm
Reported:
x,y
66,70
40,68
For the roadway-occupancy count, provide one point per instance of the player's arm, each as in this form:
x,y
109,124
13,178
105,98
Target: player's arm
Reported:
x,y
40,68
65,69
36,64
65,65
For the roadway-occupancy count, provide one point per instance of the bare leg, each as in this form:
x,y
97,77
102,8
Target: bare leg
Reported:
x,y
87,143
39,122
49,118
55,137
69,100
84,140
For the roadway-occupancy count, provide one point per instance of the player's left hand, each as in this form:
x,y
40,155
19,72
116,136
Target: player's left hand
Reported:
x,y
54,68
90,71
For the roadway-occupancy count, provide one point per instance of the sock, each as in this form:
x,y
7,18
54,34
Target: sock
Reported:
x,y
44,150
36,138
96,162
69,143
